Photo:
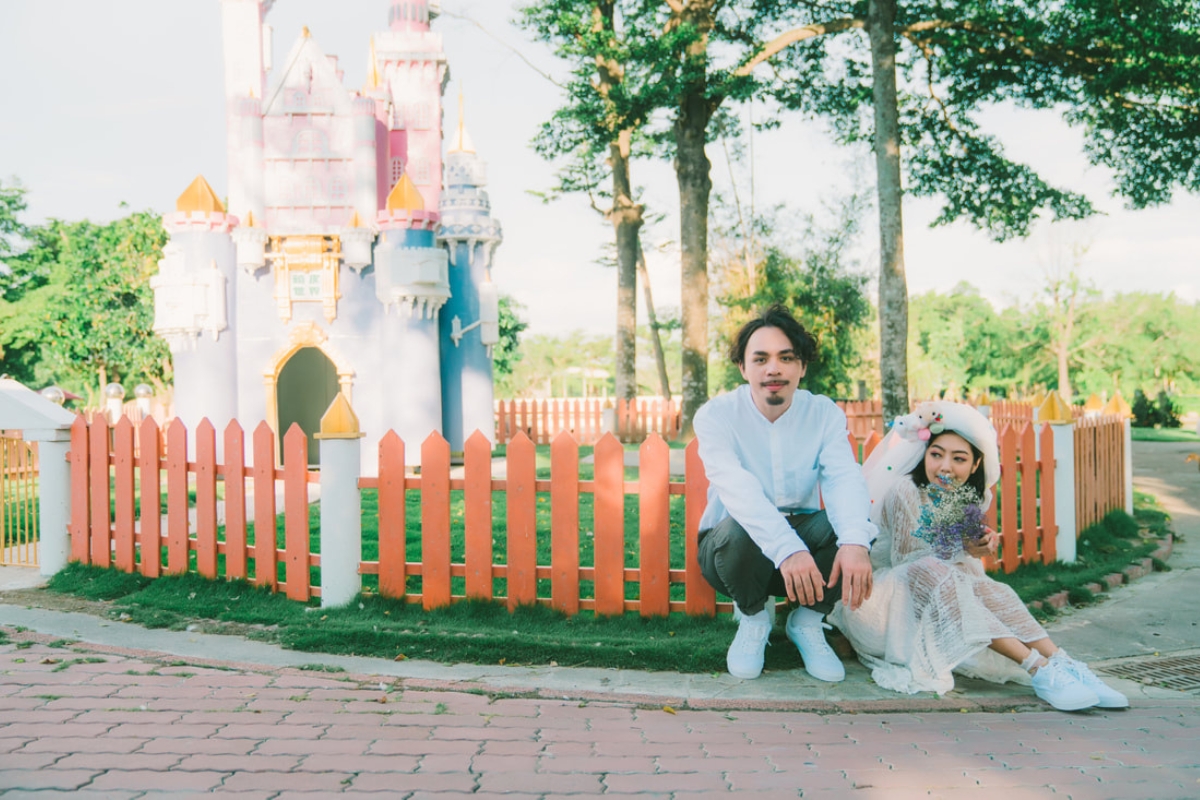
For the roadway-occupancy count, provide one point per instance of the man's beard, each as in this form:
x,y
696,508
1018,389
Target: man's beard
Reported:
x,y
774,399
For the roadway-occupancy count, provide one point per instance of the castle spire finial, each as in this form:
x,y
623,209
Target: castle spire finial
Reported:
x,y
462,141
373,80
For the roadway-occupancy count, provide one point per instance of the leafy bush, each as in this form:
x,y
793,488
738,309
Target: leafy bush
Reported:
x,y
1166,412
1142,409
1159,413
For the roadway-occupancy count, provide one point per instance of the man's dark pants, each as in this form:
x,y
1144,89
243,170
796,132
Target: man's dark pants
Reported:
x,y
735,566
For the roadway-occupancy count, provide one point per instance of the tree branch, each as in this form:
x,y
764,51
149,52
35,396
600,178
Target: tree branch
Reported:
x,y
795,35
505,44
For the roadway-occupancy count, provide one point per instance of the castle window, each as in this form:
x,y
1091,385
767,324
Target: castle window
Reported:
x,y
397,170
306,285
338,191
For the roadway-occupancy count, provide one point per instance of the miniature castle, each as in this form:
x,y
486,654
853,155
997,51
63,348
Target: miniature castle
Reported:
x,y
351,259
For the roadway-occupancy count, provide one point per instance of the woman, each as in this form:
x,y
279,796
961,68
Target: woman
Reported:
x,y
933,608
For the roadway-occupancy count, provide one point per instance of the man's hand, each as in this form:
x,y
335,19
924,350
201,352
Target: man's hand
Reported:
x,y
803,579
853,564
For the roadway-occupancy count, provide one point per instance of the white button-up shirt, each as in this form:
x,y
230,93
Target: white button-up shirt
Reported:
x,y
759,471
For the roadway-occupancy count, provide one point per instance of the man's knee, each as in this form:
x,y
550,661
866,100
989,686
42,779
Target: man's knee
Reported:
x,y
731,561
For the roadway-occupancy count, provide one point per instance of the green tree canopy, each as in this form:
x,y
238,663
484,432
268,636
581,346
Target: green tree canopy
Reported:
x,y
78,300
811,277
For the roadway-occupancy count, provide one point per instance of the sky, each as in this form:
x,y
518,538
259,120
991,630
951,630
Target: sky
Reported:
x,y
108,106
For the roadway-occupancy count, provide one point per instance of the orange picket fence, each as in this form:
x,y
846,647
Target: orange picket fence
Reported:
x,y
140,534
564,538
583,418
1099,467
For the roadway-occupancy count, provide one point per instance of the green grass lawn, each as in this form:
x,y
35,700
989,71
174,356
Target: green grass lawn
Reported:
x,y
485,633
1163,435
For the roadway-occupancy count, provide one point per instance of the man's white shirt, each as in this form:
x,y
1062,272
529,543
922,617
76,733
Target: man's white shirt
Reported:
x,y
759,470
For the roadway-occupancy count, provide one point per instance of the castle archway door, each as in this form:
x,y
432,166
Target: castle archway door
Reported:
x,y
308,382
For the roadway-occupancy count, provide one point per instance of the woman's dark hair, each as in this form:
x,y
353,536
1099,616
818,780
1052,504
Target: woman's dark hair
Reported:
x,y
977,480
777,316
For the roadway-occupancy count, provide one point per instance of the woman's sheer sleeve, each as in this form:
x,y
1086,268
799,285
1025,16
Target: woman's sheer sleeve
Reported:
x,y
900,515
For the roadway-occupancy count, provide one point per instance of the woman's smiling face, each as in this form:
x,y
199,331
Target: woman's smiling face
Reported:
x,y
949,457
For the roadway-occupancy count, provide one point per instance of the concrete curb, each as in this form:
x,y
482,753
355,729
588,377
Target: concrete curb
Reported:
x,y
1135,571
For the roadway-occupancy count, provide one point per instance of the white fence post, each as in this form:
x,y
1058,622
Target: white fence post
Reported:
x,y
1055,411
341,504
1064,490
49,425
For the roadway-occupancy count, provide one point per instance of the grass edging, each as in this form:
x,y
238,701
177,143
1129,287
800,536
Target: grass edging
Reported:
x,y
1121,545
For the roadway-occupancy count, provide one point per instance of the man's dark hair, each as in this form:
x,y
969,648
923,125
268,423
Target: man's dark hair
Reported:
x,y
777,316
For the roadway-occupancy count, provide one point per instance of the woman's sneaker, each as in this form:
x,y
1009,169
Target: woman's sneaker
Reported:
x,y
745,656
1109,697
807,631
1058,686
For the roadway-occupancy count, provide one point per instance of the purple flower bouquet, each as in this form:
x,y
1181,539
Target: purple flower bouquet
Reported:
x,y
950,519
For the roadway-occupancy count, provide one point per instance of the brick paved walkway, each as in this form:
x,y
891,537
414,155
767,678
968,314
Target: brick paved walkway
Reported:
x,y
79,722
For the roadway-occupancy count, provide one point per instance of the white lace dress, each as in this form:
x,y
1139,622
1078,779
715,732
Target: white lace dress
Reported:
x,y
927,617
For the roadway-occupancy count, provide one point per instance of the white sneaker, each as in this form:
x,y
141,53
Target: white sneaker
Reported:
x,y
1109,697
1058,686
806,628
745,656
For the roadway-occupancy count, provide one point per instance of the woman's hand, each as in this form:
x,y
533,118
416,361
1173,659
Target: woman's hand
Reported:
x,y
985,546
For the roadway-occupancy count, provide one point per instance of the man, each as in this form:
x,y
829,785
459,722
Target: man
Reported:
x,y
772,455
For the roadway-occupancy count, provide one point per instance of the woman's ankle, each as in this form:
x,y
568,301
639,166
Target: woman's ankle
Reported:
x,y
1033,662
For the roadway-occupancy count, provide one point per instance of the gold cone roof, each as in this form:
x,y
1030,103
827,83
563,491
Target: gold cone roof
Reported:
x,y
199,196
405,196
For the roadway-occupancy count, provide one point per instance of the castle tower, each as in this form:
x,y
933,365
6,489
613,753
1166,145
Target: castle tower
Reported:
x,y
194,295
247,55
411,282
470,318
410,66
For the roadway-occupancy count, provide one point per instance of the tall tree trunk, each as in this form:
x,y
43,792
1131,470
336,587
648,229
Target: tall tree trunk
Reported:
x,y
692,172
627,220
625,214
664,382
893,289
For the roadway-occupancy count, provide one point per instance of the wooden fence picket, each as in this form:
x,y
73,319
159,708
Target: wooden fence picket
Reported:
x,y
80,493
206,499
266,556
1027,447
654,523
235,501
295,514
435,522
609,526
700,598
100,533
564,524
150,519
177,499
521,498
392,517
477,516
1011,555
124,502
